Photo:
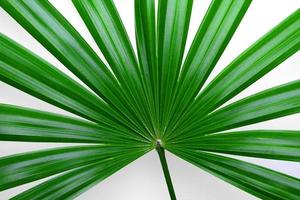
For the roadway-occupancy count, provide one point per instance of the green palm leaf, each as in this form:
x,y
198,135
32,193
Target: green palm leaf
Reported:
x,y
71,184
256,61
273,103
273,144
26,71
20,124
146,36
55,33
104,23
152,100
172,24
259,181
27,167
206,49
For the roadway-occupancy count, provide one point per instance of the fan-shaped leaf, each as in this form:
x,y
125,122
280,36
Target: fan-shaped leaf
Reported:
x,y
153,103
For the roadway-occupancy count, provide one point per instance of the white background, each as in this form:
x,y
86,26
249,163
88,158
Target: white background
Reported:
x,y
143,179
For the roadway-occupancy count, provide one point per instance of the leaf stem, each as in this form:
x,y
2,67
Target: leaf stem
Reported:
x,y
161,152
